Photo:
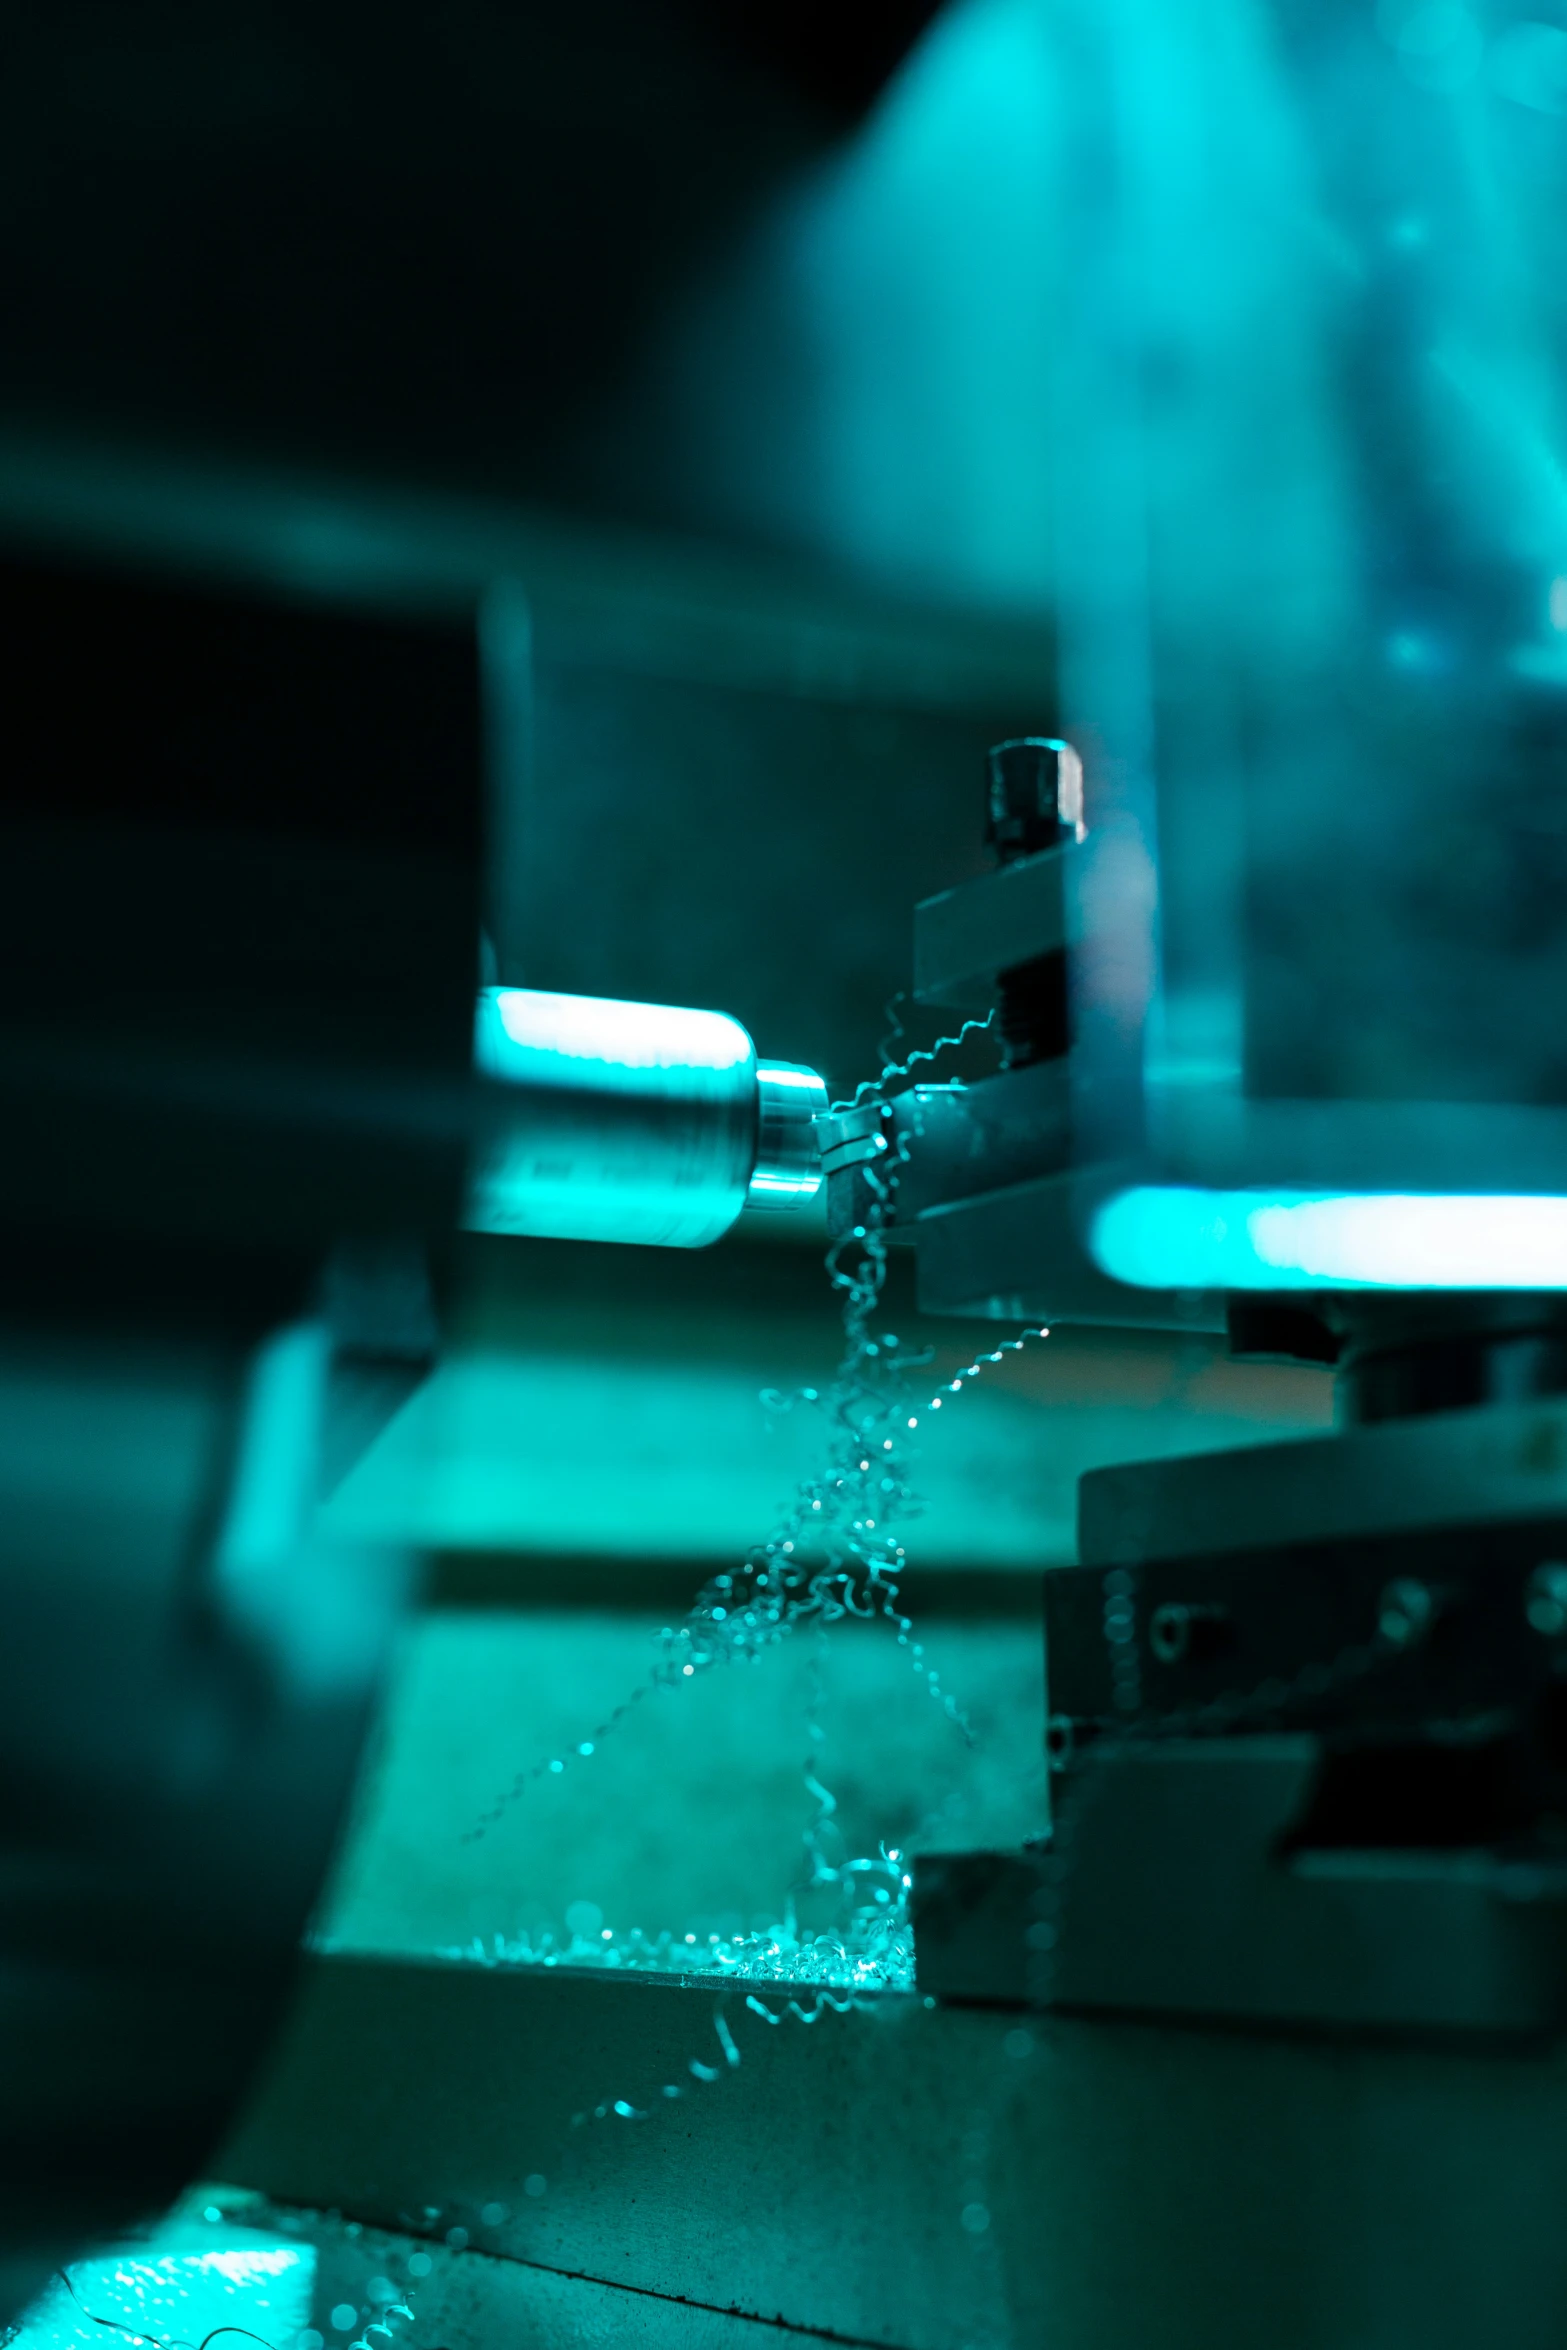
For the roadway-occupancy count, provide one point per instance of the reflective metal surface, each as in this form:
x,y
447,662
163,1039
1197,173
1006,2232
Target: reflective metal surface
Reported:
x,y
631,1122
909,2176
1314,623
788,1169
189,1664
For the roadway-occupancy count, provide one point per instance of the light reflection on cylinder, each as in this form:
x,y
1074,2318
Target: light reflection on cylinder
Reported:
x,y
632,1122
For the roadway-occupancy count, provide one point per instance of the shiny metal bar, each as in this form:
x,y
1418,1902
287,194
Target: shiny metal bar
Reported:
x,y
788,1167
632,1122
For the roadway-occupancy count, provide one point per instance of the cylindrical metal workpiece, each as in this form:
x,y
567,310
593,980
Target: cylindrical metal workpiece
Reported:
x,y
788,1168
632,1122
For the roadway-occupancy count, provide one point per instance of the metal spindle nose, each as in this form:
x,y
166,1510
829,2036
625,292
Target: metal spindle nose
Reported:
x,y
632,1122
788,1169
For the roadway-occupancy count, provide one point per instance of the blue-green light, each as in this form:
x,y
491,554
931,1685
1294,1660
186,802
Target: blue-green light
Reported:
x,y
612,1121
1171,1237
246,2287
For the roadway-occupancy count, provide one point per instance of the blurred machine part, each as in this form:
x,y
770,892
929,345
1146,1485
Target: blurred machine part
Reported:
x,y
241,891
247,1103
1311,631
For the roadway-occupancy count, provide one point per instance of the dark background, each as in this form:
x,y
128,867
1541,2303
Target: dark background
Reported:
x,y
424,241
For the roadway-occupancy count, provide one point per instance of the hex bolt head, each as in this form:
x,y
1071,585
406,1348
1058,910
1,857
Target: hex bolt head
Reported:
x,y
1035,796
1199,1630
1060,1741
1545,1600
1406,1612
1170,1632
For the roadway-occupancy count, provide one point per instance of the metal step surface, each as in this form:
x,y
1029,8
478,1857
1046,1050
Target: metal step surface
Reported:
x,y
915,2176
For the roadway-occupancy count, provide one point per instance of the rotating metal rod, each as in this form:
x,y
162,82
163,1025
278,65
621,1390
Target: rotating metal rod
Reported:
x,y
632,1122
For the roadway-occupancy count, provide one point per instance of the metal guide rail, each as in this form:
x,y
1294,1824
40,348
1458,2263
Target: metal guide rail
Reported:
x,y
1320,1779
901,2174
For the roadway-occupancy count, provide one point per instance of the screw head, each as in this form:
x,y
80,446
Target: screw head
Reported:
x,y
1035,796
1198,1629
1170,1632
1405,1612
1545,1600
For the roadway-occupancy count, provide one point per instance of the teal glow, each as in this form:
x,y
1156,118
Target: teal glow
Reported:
x,y
562,1040
247,2285
873,1952
870,372
611,1121
782,1191
1167,1237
